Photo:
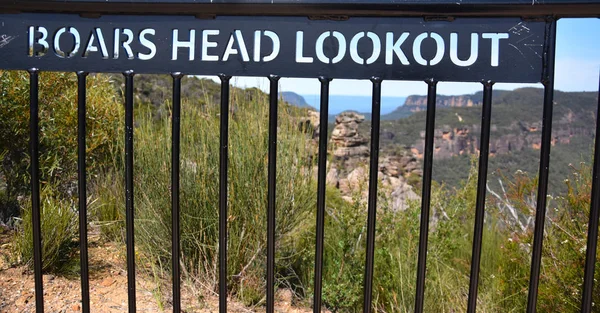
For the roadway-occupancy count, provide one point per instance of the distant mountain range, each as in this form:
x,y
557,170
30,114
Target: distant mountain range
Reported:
x,y
516,129
516,124
392,108
343,103
516,132
295,99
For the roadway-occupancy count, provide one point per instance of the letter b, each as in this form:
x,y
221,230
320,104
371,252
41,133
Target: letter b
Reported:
x,y
40,41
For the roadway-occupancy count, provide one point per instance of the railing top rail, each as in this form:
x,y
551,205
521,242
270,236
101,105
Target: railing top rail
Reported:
x,y
521,8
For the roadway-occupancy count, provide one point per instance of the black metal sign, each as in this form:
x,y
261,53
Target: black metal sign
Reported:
x,y
466,49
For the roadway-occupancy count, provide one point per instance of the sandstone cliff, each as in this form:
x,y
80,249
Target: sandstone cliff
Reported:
x,y
419,103
348,170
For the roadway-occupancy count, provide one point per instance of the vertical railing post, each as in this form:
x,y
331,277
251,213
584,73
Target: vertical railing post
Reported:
x,y
321,190
592,237
484,151
175,168
542,194
81,179
372,200
272,180
426,194
129,209
223,168
34,145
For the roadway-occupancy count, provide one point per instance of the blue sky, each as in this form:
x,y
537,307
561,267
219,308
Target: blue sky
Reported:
x,y
577,69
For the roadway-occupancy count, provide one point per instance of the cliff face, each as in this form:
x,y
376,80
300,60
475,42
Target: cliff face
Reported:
x,y
516,122
454,141
416,103
348,170
419,103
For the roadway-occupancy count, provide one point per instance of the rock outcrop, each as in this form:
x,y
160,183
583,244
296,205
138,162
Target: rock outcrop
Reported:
x,y
310,124
419,103
345,138
519,136
349,171
515,130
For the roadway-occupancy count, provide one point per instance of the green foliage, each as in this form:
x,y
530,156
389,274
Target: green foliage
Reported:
x,y
153,91
512,112
506,250
58,156
396,252
565,239
58,231
505,255
58,130
247,191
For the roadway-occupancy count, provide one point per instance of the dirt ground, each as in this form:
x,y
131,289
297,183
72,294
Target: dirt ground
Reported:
x,y
108,288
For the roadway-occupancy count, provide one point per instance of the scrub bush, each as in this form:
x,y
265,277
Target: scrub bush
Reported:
x,y
58,155
58,232
247,191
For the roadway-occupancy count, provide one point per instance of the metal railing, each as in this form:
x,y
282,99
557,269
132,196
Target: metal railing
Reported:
x,y
544,13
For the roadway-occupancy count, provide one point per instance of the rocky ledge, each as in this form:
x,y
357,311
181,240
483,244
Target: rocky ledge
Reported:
x,y
348,170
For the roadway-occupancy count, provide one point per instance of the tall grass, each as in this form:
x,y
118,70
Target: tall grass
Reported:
x,y
57,157
58,231
505,255
247,192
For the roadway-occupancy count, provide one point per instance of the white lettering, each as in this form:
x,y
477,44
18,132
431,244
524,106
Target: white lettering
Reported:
x,y
90,47
257,41
40,41
392,48
319,47
439,55
117,43
276,46
440,49
191,44
129,34
76,37
417,49
148,44
237,34
454,50
209,44
341,47
354,48
300,58
376,47
495,37
256,46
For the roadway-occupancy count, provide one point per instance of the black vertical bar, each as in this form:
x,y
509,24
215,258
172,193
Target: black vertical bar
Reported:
x,y
129,189
592,239
540,216
426,194
372,201
81,179
223,162
484,149
321,184
273,99
175,167
34,145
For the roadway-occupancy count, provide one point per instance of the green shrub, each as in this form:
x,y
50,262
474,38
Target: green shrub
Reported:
x,y
504,271
58,130
247,191
58,155
565,239
58,232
